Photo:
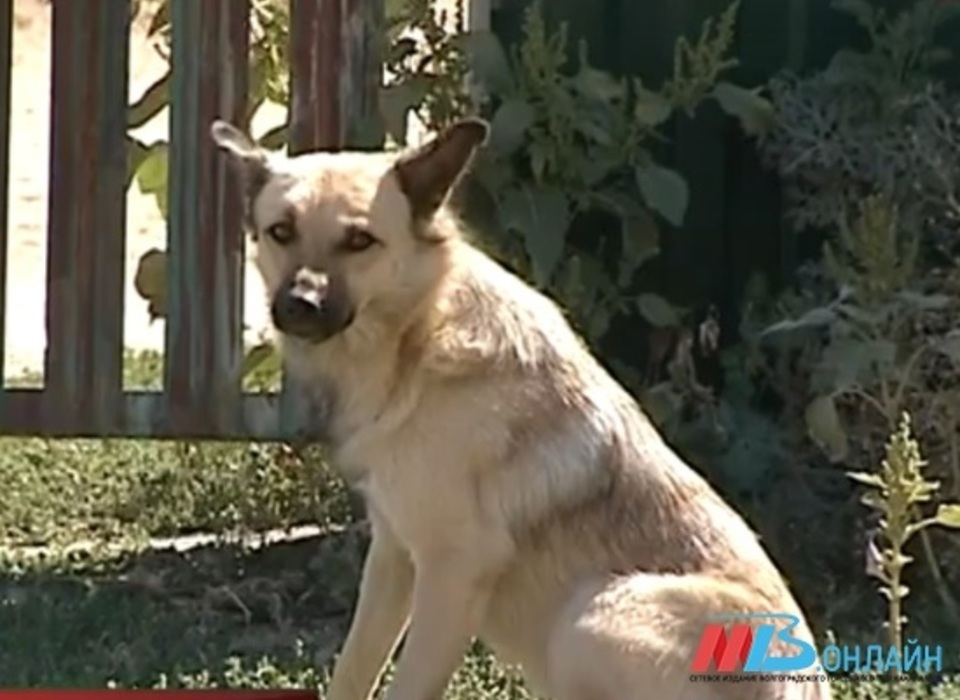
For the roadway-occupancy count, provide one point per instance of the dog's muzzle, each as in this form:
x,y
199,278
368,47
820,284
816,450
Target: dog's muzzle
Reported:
x,y
311,306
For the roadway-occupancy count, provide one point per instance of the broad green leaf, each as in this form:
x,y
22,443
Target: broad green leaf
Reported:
x,y
599,322
847,362
924,302
508,128
541,214
160,21
570,282
602,162
395,10
596,123
814,318
756,114
662,403
861,10
401,50
867,479
664,190
151,102
256,357
597,84
541,153
137,152
948,515
825,428
657,310
487,60
873,499
397,100
651,108
275,138
641,242
150,282
873,316
152,175
949,345
639,230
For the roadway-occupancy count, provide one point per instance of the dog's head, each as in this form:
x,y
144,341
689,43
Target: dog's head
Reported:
x,y
343,236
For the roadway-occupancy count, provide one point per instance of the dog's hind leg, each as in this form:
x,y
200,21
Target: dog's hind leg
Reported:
x,y
635,639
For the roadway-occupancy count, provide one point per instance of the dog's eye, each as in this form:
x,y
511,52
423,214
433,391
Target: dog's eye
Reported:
x,y
357,240
283,232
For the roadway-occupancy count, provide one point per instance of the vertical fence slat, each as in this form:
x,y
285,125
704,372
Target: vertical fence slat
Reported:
x,y
6,65
86,221
316,54
334,70
203,339
334,81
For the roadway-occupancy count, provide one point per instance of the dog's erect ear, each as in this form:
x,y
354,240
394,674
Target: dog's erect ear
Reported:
x,y
249,159
428,173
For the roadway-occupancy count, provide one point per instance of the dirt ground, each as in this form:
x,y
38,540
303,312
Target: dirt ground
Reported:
x,y
26,269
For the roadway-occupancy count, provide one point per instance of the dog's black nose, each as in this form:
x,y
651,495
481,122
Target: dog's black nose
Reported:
x,y
298,309
300,306
303,306
307,293
305,300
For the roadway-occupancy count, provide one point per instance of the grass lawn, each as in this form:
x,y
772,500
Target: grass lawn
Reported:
x,y
146,564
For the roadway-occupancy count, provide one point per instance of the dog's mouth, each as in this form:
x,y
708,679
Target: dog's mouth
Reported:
x,y
313,331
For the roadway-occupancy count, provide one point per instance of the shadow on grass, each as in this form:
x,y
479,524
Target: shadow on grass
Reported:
x,y
136,618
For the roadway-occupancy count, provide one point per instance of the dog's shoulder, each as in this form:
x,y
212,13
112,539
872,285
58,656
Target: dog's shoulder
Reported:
x,y
489,320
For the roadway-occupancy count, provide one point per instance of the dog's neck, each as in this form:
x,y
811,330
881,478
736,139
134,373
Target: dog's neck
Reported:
x,y
352,377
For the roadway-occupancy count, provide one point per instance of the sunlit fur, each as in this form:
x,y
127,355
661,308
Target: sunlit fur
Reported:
x,y
516,492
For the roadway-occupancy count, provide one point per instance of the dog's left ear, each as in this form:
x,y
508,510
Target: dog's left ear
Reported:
x,y
428,174
249,159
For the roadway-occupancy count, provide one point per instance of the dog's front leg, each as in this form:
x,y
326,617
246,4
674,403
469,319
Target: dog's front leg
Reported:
x,y
449,598
382,612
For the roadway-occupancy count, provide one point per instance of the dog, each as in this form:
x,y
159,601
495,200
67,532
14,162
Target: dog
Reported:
x,y
516,493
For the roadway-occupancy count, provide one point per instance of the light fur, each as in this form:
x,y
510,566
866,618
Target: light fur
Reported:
x,y
516,492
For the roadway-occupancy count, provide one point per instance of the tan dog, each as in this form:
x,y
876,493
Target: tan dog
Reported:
x,y
516,492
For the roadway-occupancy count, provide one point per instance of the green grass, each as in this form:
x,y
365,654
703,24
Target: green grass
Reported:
x,y
91,596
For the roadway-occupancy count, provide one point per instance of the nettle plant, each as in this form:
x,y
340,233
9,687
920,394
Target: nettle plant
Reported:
x,y
868,150
868,153
883,342
563,142
896,492
567,140
874,121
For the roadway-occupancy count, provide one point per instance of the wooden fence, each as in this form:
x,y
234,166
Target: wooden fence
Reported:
x,y
332,82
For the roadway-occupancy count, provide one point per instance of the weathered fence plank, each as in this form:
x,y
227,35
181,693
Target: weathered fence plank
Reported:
x,y
6,66
204,341
334,83
334,71
87,214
